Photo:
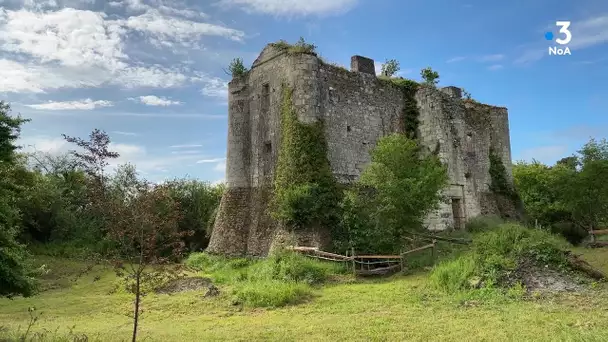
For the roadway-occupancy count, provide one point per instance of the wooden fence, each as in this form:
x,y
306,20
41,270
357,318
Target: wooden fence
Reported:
x,y
594,234
364,264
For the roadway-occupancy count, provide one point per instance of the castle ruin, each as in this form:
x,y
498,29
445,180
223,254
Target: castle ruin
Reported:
x,y
357,108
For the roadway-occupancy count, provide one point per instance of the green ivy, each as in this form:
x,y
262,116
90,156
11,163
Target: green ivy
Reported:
x,y
410,113
305,192
499,179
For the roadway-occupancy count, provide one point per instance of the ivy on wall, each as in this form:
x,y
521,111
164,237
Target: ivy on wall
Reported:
x,y
305,192
409,113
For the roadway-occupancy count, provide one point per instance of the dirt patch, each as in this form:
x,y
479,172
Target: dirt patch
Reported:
x,y
190,284
543,278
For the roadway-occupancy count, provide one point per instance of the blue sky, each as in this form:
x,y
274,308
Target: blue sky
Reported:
x,y
151,72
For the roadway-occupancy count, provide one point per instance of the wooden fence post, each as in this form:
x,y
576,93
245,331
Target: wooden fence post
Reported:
x,y
352,255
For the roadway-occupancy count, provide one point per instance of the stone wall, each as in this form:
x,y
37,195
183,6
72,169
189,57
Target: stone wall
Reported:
x,y
357,109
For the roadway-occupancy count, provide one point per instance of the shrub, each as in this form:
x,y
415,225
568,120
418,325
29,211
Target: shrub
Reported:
x,y
483,223
237,68
573,233
429,76
271,293
291,267
495,253
454,275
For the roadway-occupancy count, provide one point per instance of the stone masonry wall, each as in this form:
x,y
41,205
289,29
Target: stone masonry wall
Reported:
x,y
357,109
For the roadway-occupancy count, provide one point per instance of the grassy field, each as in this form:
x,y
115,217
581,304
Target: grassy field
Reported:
x,y
394,309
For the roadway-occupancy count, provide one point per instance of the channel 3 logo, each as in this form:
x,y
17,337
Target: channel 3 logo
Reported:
x,y
564,29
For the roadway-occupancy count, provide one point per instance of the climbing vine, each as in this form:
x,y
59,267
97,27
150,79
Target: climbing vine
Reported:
x,y
498,175
305,192
409,113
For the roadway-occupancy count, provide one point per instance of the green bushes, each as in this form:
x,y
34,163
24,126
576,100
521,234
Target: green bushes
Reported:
x,y
197,201
271,293
497,252
483,223
282,278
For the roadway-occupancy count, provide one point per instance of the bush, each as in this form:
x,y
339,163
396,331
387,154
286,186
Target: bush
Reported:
x,y
571,232
211,263
198,202
291,267
483,223
495,253
454,275
271,293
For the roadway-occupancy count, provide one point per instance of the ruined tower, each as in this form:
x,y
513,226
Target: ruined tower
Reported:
x,y
357,109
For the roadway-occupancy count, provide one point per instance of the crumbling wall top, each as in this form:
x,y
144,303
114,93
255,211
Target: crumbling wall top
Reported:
x,y
362,64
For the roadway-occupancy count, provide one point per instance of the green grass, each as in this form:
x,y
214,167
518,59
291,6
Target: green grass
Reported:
x,y
391,309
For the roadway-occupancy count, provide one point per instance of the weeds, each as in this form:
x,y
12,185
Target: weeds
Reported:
x,y
495,254
281,279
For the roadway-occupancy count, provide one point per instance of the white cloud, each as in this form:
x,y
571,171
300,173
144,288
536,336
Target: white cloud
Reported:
x,y
69,36
129,134
214,160
220,167
215,87
292,7
491,58
152,100
186,146
86,104
186,152
18,77
456,59
184,32
74,48
43,143
495,67
218,182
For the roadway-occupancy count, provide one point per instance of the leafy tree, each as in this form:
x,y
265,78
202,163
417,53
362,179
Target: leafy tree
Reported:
x,y
390,68
587,192
95,153
429,76
393,196
541,189
144,229
15,273
198,202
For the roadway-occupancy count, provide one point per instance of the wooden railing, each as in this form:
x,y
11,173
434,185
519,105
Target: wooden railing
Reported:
x,y
366,263
595,233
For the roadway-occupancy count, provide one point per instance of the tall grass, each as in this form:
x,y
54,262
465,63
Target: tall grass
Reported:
x,y
281,279
496,252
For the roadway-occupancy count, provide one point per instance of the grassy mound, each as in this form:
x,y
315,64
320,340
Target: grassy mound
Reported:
x,y
281,279
504,257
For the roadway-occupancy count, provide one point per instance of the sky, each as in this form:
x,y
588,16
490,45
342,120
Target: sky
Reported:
x,y
151,73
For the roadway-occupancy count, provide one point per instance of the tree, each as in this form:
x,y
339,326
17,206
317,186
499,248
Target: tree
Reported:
x,y
144,230
236,68
15,272
587,192
393,195
94,159
198,202
390,68
429,76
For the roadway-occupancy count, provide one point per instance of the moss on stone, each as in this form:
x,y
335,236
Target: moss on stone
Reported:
x,y
305,191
